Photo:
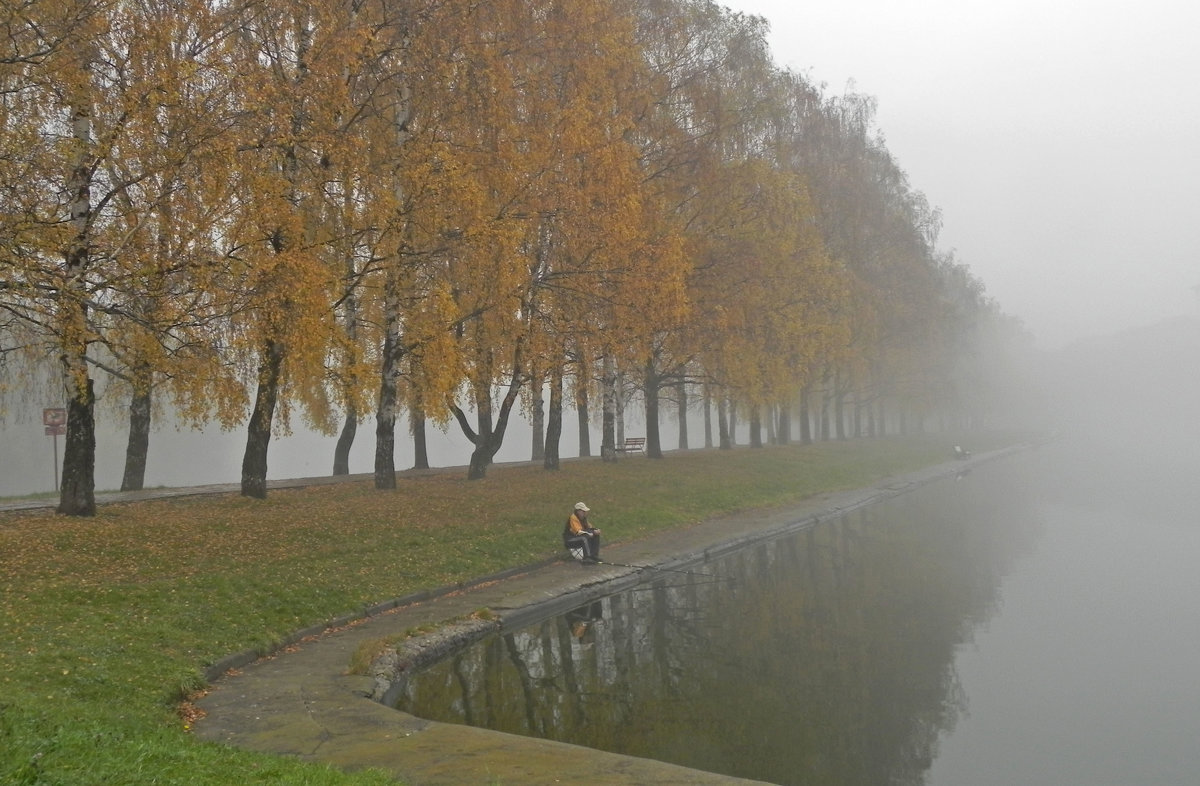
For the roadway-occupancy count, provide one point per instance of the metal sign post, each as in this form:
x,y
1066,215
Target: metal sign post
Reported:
x,y
55,421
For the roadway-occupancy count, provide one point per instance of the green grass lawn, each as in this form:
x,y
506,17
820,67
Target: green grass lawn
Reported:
x,y
107,624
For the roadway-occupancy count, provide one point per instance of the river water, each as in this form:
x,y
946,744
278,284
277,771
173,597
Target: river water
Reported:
x,y
1032,621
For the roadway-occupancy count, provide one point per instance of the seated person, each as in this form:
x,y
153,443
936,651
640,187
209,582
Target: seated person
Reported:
x,y
580,537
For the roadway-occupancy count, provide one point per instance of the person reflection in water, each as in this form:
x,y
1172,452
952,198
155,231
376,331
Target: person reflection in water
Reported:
x,y
580,537
582,619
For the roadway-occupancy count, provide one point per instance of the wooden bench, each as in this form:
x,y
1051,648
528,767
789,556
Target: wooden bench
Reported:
x,y
633,445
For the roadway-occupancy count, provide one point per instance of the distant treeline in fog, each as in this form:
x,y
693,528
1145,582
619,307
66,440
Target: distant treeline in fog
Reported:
x,y
248,213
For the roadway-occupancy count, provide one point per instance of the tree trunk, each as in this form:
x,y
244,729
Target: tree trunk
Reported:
x,y
756,440
608,398
341,452
554,423
839,414
537,401
385,439
77,495
681,396
487,437
389,373
416,427
481,459
708,434
584,419
823,425
723,424
385,414
137,446
485,441
481,456
805,422
620,397
653,439
785,424
258,433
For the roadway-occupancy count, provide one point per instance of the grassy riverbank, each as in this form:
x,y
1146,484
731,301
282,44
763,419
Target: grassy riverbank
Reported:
x,y
106,624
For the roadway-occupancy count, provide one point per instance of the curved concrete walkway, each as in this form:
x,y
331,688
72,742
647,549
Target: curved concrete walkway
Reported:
x,y
301,702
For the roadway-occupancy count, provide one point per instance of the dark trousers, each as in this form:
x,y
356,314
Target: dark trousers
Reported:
x,y
583,546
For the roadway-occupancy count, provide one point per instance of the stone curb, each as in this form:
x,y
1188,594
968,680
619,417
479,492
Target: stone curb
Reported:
x,y
238,660
302,703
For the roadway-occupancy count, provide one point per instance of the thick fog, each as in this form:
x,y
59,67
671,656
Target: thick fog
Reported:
x,y
185,457
1057,138
1087,672
1129,398
1129,402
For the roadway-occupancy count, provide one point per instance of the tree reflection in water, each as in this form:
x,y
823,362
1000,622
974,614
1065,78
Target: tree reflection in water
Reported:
x,y
828,660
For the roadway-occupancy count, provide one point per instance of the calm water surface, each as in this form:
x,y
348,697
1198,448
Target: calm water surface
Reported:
x,y
1024,623
1088,675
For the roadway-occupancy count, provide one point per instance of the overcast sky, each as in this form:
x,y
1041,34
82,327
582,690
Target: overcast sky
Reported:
x,y
1060,139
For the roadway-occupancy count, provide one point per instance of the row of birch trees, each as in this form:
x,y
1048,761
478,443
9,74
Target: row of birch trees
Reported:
x,y
248,212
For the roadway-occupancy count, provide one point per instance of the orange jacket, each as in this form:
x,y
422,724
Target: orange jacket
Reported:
x,y
575,526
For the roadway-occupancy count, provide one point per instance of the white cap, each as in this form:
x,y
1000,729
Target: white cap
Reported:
x,y
581,506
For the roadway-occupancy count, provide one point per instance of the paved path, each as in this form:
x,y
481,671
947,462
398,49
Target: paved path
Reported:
x,y
162,492
108,497
301,702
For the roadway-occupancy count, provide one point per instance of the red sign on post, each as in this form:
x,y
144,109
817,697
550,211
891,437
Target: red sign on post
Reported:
x,y
55,421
